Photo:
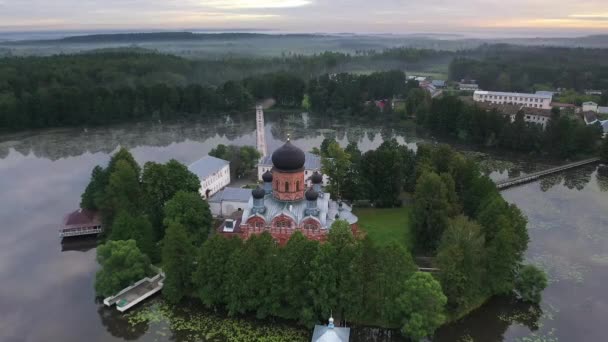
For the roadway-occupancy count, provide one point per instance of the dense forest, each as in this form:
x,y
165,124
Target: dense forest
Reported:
x,y
112,86
525,69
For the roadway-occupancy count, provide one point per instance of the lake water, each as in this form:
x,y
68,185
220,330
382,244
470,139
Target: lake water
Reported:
x,y
46,288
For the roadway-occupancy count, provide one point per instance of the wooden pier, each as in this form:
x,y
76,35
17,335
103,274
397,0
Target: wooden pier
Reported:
x,y
507,183
136,293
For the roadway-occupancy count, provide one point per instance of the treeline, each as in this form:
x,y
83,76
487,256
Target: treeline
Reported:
x,y
565,135
477,238
348,93
306,280
114,86
525,69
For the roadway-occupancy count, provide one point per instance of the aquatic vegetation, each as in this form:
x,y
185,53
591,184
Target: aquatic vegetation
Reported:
x,y
466,338
195,325
559,268
535,337
600,259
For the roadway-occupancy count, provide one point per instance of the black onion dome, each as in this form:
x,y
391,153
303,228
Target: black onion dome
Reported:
x,y
267,177
316,178
288,158
258,193
311,195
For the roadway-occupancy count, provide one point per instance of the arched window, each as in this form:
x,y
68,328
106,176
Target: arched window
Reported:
x,y
277,185
286,186
297,185
310,226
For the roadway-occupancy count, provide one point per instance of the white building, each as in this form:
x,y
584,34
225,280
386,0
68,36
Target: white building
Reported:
x,y
468,87
214,174
528,100
229,201
590,107
312,164
531,115
593,92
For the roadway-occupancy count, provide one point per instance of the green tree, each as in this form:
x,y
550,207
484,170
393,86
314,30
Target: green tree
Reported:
x,y
530,283
252,281
178,262
242,159
422,305
336,164
210,278
124,155
460,258
95,190
394,266
431,209
122,264
138,228
384,173
346,249
123,192
297,256
160,183
192,212
323,281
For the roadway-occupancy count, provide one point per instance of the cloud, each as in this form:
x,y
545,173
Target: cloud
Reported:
x,y
592,17
397,16
248,4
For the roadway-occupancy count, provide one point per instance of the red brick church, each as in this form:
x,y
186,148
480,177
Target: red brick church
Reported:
x,y
285,205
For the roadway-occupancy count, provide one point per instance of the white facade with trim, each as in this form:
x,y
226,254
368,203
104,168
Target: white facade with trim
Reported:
x,y
213,173
541,101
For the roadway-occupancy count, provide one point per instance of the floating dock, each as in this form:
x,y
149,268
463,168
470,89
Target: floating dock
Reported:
x,y
136,293
507,183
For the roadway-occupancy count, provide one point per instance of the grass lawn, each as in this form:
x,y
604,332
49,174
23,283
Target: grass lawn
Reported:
x,y
385,225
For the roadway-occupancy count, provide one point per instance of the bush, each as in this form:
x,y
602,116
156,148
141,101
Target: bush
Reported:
x,y
530,283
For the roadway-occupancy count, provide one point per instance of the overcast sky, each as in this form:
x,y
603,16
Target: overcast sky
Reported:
x,y
361,16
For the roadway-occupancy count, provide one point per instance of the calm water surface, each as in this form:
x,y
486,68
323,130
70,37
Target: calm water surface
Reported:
x,y
46,288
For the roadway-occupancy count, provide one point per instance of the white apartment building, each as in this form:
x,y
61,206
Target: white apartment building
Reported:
x,y
542,101
468,87
213,173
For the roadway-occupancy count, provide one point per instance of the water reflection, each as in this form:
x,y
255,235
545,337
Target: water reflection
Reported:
x,y
47,287
233,128
118,325
491,322
602,177
78,244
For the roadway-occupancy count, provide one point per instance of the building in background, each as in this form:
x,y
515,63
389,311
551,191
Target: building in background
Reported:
x,y
229,201
594,107
590,107
533,115
439,84
468,87
213,173
593,92
527,100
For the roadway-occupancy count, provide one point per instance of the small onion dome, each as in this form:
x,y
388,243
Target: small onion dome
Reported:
x,y
258,193
311,195
288,158
267,177
316,178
